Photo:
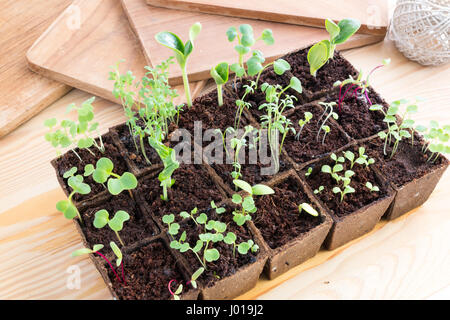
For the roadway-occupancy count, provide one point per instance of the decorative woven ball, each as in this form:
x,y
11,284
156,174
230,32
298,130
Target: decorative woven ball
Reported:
x,y
421,30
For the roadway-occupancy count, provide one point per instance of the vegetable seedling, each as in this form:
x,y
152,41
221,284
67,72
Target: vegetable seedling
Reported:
x,y
302,122
193,282
362,158
77,185
308,172
220,75
308,208
116,184
437,139
115,224
319,190
372,187
321,52
182,51
329,113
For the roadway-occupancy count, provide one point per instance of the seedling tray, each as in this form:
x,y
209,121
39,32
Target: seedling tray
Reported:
x,y
197,184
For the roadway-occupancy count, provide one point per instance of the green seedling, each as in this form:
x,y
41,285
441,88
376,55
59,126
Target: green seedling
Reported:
x,y
96,250
193,282
362,158
346,190
247,203
116,184
308,208
396,131
333,171
245,40
319,190
372,187
437,139
236,145
302,122
119,256
77,185
337,159
182,51
186,215
115,224
329,113
243,247
220,75
308,172
321,52
170,162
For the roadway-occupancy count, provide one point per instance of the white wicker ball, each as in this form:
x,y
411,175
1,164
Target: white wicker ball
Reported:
x,y
421,30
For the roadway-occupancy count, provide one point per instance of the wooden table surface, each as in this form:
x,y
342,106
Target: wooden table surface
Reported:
x,y
406,258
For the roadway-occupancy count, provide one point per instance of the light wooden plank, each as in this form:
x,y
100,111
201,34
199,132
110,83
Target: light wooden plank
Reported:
x,y
404,258
372,14
212,46
23,93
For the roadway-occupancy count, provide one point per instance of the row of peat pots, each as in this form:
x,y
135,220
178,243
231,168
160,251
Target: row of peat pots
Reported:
x,y
285,238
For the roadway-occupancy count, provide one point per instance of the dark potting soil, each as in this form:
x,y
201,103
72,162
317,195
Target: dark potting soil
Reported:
x,y
193,188
136,155
135,229
278,218
69,160
355,117
229,262
352,201
148,272
408,163
335,69
309,146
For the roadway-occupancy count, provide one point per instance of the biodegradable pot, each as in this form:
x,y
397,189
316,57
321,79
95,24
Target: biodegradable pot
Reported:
x,y
301,248
132,166
103,268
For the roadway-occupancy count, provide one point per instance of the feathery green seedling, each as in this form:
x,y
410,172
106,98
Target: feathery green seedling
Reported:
x,y
96,250
78,186
361,85
322,51
302,122
220,75
245,40
116,184
182,51
372,187
329,113
437,139
308,208
247,203
115,224
170,162
396,132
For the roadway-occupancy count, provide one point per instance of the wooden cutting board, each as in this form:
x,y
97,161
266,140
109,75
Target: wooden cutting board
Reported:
x,y
23,93
373,14
212,46
82,57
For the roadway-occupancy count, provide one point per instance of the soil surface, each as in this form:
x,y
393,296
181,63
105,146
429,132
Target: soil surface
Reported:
x,y
69,160
310,146
135,229
408,163
193,188
352,201
336,69
355,117
228,263
278,217
148,272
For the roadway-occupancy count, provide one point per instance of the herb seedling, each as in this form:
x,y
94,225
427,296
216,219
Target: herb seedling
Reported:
x,y
247,203
357,84
302,122
329,113
308,208
220,75
75,182
245,40
170,162
322,51
372,187
182,51
116,223
116,184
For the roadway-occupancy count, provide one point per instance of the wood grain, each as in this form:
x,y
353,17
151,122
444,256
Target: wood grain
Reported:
x,y
81,55
372,14
23,93
212,46
406,258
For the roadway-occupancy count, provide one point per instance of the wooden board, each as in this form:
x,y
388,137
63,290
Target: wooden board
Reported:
x,y
82,57
23,93
373,14
212,46
407,258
